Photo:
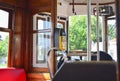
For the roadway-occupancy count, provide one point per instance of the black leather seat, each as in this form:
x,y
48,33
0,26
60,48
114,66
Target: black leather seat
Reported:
x,y
87,71
103,56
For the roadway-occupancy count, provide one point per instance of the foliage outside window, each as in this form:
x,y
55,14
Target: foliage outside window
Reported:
x,y
112,38
78,32
4,37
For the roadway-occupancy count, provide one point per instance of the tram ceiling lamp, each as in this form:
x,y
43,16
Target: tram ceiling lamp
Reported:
x,y
104,10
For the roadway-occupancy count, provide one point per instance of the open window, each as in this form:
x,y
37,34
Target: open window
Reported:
x,y
41,39
77,14
5,36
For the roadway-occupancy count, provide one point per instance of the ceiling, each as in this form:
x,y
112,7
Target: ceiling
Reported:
x,y
93,1
80,8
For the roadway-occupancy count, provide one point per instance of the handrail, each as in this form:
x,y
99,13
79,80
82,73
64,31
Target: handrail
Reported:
x,y
48,54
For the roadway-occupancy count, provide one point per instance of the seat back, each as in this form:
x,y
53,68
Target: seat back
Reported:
x,y
12,74
87,71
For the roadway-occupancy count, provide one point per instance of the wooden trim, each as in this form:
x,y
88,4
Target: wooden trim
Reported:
x,y
106,35
39,69
63,23
118,35
54,25
10,9
41,31
92,3
5,29
36,31
40,9
6,6
9,64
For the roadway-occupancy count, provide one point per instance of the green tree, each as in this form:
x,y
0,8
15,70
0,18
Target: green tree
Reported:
x,y
112,31
78,32
4,47
76,26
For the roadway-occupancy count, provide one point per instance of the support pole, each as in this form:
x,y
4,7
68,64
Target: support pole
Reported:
x,y
97,30
89,30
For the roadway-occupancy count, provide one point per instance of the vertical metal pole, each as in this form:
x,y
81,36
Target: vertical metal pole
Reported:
x,y
97,29
89,30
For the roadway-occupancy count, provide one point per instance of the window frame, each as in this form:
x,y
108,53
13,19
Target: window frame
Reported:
x,y
10,10
35,31
113,17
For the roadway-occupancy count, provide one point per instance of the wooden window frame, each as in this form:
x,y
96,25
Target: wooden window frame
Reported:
x,y
48,30
10,10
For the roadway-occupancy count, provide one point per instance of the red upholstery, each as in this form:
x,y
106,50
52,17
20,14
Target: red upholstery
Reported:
x,y
12,74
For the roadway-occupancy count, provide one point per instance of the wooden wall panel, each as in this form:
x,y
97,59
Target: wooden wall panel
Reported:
x,y
27,40
54,25
17,39
16,58
18,3
40,6
22,37
39,3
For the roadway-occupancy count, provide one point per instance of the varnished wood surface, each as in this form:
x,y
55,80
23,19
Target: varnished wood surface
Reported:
x,y
38,77
118,35
18,3
39,3
37,6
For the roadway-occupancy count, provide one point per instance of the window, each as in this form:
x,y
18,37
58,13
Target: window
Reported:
x,y
5,32
41,39
112,38
78,34
4,17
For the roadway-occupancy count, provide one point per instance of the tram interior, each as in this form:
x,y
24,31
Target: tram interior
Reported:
x,y
74,17
74,41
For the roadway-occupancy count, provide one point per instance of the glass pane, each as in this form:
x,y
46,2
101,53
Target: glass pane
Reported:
x,y
112,39
41,44
4,42
77,32
4,17
43,24
60,25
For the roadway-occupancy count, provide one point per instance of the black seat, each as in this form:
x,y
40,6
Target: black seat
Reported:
x,y
86,71
103,56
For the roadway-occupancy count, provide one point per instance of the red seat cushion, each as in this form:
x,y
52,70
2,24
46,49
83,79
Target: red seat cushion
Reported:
x,y
12,74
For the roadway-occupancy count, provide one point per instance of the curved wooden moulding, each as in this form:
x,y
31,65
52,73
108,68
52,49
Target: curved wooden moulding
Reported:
x,y
17,3
40,6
